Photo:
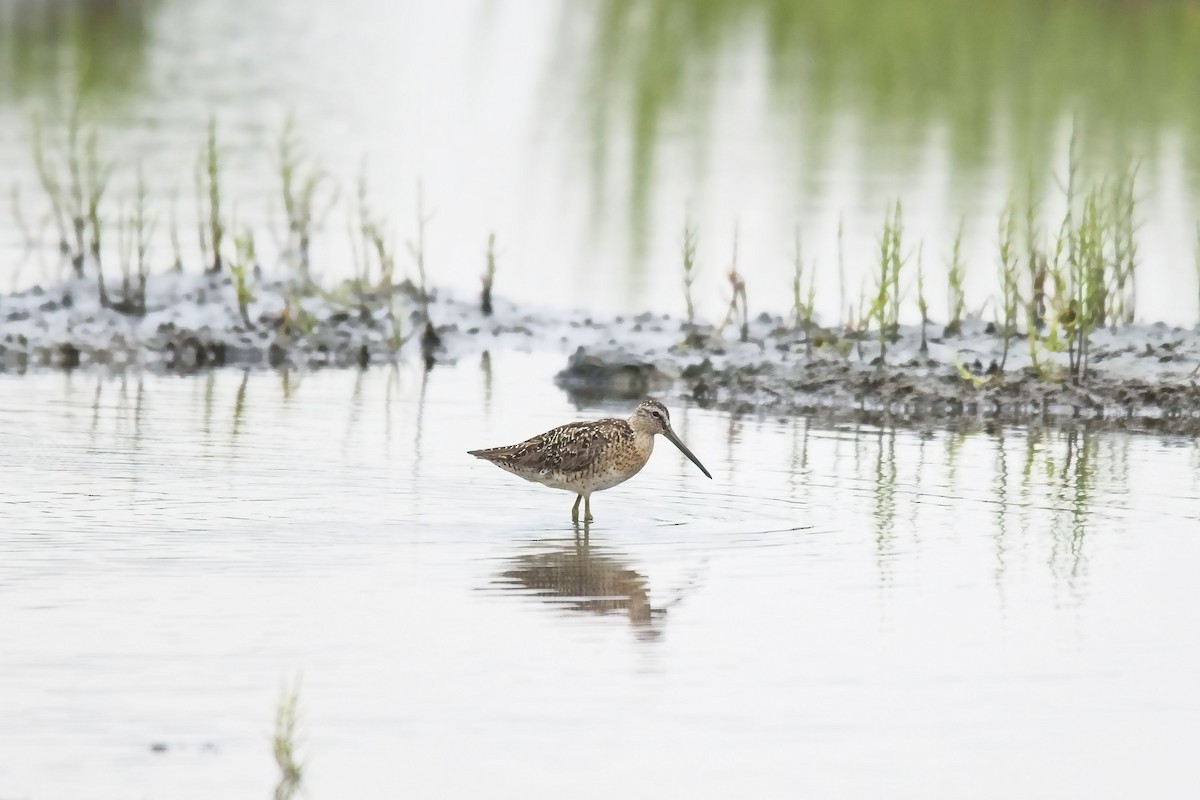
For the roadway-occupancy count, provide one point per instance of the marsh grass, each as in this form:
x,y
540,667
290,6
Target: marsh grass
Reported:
x,y
1038,346
74,181
176,247
859,325
358,237
430,340
1055,293
240,268
955,295
489,277
897,263
416,249
1053,334
134,234
1092,273
885,307
978,381
1010,298
210,223
28,239
1122,230
1197,263
1035,260
308,193
804,300
1089,290
371,243
922,306
689,269
284,742
843,307
738,307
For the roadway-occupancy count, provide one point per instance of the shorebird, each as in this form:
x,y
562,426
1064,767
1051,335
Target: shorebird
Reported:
x,y
587,457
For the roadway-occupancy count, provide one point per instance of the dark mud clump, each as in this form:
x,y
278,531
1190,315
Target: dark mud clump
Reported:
x,y
620,376
782,371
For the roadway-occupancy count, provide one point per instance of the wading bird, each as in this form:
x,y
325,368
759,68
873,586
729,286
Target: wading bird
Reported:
x,y
587,457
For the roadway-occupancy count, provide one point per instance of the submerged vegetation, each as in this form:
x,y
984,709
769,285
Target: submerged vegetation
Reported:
x,y
283,743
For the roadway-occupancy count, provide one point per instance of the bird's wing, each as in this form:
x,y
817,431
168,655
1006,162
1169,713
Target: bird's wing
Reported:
x,y
567,448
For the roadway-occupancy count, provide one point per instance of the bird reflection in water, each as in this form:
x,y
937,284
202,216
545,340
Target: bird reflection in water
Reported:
x,y
586,579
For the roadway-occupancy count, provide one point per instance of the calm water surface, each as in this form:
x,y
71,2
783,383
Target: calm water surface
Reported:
x,y
843,611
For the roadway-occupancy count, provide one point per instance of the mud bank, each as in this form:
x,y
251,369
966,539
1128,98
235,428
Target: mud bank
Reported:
x,y
194,321
1140,375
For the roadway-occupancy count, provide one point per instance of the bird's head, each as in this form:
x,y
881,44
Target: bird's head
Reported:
x,y
652,417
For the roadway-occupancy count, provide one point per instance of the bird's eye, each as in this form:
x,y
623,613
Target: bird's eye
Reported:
x,y
657,415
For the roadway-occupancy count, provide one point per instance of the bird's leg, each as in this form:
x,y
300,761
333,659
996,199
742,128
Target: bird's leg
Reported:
x,y
587,507
575,508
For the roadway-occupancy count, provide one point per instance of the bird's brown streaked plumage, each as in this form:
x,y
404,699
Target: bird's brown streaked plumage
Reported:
x,y
587,457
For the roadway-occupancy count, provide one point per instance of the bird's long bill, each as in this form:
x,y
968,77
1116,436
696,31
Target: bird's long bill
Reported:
x,y
670,434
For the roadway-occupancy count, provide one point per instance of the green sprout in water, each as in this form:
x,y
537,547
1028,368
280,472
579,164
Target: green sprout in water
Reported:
x,y
885,309
211,228
1035,261
1088,279
922,306
689,269
843,306
956,296
803,300
1197,259
304,203
860,325
489,277
75,202
176,248
430,340
737,302
1123,245
1009,294
416,248
239,268
377,245
133,242
283,743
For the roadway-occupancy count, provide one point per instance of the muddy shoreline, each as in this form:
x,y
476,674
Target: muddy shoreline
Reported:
x,y
916,393
1141,377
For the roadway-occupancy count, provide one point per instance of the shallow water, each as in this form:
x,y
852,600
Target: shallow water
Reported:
x,y
842,611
